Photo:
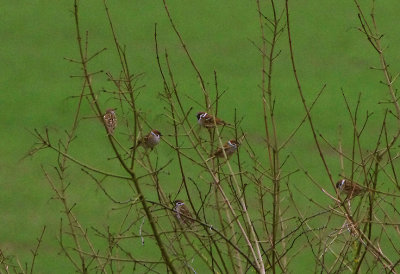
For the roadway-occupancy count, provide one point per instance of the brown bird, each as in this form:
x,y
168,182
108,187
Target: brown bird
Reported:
x,y
350,188
182,213
110,120
150,140
208,121
230,148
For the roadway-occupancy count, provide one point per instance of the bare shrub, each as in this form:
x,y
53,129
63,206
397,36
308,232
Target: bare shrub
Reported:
x,y
236,210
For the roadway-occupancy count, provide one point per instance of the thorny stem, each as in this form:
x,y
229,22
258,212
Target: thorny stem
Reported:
x,y
118,155
256,253
239,231
303,100
272,141
35,252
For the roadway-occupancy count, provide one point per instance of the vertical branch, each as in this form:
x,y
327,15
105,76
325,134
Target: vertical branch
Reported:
x,y
268,57
373,36
303,100
202,83
35,252
146,208
127,76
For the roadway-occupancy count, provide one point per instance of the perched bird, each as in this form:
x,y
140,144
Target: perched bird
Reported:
x,y
208,121
150,140
110,120
350,188
182,213
230,148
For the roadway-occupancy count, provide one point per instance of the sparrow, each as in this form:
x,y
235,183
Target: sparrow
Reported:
x,y
150,140
230,148
182,213
208,121
350,188
110,120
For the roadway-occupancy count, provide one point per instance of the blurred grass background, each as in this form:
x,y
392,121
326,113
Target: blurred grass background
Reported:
x,y
35,85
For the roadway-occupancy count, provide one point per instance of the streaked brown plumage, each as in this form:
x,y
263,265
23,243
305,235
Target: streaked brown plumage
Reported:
x,y
350,188
110,120
150,140
182,213
229,147
208,121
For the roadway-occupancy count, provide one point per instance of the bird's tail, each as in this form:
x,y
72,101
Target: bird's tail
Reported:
x,y
225,124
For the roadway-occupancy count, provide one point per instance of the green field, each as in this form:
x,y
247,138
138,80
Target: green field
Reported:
x,y
36,90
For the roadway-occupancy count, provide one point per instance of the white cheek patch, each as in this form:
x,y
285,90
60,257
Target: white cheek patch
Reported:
x,y
155,135
342,183
203,115
232,145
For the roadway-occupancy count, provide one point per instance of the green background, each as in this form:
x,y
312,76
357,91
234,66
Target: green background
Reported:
x,y
35,86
